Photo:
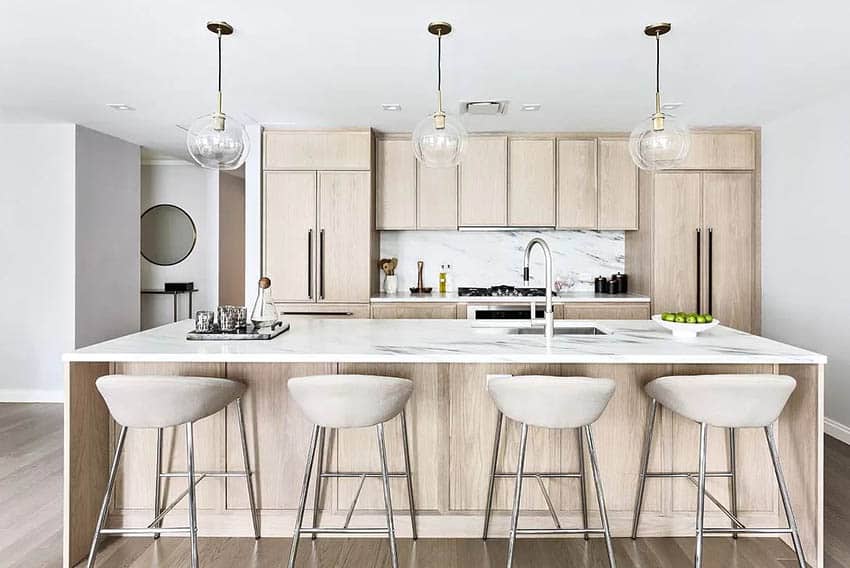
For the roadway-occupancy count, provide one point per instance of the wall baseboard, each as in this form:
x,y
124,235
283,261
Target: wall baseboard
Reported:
x,y
837,430
33,395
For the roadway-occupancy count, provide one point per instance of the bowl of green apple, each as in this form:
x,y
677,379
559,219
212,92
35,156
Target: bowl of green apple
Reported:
x,y
685,325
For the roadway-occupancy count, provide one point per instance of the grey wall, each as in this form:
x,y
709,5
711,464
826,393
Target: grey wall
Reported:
x,y
107,237
806,233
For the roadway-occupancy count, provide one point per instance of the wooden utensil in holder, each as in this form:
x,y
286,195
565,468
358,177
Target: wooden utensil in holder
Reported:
x,y
420,289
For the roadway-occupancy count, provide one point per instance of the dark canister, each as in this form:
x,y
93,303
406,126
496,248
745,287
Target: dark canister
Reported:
x,y
623,282
614,286
600,285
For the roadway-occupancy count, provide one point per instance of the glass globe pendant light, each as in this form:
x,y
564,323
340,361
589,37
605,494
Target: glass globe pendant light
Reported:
x,y
439,139
217,141
660,141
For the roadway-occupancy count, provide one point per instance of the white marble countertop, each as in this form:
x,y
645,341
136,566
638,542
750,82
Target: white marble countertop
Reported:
x,y
449,341
452,297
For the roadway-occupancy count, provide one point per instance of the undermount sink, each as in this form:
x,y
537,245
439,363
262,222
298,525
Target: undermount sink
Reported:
x,y
578,330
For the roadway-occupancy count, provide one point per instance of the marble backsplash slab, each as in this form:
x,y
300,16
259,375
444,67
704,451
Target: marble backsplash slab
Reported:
x,y
486,258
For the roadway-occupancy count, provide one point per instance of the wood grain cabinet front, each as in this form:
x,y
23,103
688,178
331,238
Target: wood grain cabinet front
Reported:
x,y
317,150
603,311
422,310
484,182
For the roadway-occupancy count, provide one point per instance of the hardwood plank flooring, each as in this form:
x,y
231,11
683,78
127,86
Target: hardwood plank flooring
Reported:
x,y
31,517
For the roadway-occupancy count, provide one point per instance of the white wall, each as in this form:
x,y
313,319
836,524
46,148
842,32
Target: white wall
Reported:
x,y
196,191
806,233
107,237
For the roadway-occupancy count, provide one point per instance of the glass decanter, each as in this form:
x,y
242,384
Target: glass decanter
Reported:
x,y
264,313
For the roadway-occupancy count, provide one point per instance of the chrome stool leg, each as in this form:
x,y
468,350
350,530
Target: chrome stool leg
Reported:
x,y
703,439
107,497
582,484
786,499
388,502
190,478
406,447
600,496
644,464
302,501
157,495
246,466
517,493
320,466
488,508
733,479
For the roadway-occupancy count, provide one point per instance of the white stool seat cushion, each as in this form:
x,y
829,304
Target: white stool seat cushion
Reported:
x,y
162,401
550,402
726,401
349,401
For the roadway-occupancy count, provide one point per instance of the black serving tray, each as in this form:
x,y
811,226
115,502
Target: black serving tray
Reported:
x,y
249,334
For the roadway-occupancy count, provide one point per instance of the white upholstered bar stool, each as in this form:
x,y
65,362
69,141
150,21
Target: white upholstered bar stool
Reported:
x,y
351,401
723,401
558,403
162,402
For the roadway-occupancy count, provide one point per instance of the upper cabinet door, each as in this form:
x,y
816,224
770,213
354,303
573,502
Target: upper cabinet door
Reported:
x,y
294,150
677,222
577,187
345,264
618,185
484,182
721,151
531,183
289,234
436,195
396,185
730,272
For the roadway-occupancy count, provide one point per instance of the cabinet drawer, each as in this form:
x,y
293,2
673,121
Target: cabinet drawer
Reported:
x,y
292,150
603,311
414,311
325,311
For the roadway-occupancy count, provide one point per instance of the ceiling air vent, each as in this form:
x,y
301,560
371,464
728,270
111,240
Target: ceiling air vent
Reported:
x,y
489,108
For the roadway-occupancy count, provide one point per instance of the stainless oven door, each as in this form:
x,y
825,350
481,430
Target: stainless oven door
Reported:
x,y
491,312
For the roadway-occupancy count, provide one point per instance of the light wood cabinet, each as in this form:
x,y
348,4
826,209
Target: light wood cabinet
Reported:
x,y
395,184
414,310
317,238
289,226
344,237
484,182
531,182
317,150
577,184
436,198
618,186
717,150
603,310
323,311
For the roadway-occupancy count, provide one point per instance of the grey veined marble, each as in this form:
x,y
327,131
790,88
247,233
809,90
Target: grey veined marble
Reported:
x,y
485,258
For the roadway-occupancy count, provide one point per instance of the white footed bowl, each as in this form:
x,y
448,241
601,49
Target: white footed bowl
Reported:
x,y
684,330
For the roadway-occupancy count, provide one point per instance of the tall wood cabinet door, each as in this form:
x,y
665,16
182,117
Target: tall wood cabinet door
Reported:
x,y
729,278
531,183
618,185
289,226
395,187
677,219
436,198
484,182
577,184
344,236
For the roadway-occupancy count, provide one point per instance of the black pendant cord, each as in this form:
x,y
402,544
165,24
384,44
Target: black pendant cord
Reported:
x,y
439,61
219,61
657,62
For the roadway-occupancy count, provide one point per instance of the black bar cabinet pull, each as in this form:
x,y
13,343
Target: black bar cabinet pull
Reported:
x,y
321,264
710,266
310,263
699,254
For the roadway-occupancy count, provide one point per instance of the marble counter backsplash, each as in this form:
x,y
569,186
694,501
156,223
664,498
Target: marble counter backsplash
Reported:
x,y
486,258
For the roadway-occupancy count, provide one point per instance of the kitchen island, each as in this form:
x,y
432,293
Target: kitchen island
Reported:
x,y
451,420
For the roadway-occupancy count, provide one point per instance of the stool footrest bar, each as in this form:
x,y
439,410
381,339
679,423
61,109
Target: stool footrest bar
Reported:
x,y
687,474
136,531
359,474
559,531
349,530
540,475
728,530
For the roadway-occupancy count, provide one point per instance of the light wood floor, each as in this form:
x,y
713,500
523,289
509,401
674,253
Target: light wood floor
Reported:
x,y
31,518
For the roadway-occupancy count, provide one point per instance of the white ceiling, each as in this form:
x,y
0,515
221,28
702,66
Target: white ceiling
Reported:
x,y
332,63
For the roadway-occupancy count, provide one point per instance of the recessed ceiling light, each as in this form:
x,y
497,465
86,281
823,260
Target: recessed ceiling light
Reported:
x,y
393,107
531,107
120,106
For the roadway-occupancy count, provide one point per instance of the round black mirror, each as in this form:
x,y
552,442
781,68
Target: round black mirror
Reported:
x,y
168,235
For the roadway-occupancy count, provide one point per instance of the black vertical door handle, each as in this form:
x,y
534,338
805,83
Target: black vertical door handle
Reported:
x,y
698,272
321,264
310,263
710,268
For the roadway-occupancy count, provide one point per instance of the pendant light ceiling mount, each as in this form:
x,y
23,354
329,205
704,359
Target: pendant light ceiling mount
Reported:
x,y
440,28
655,30
219,27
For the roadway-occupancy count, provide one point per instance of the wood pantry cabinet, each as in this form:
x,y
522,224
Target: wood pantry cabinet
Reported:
x,y
318,242
698,246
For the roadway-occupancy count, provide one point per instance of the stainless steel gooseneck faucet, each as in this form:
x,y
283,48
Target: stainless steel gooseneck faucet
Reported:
x,y
549,314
